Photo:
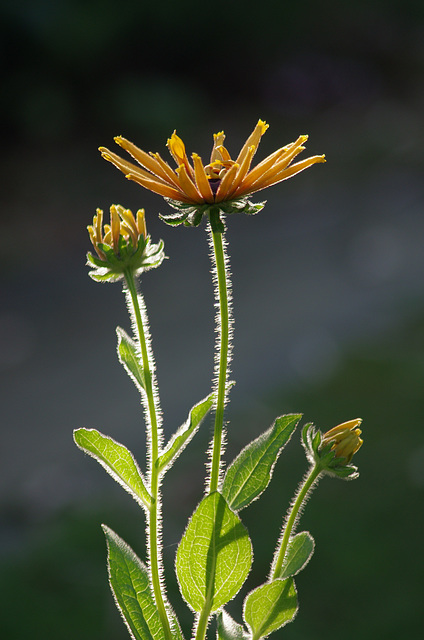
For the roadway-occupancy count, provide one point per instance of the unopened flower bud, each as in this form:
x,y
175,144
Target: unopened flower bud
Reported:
x,y
122,245
344,439
333,450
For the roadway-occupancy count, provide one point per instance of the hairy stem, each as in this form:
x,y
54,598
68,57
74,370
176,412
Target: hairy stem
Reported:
x,y
202,623
152,414
307,485
223,346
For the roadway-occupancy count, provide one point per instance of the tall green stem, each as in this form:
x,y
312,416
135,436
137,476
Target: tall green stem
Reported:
x,y
223,361
152,414
291,520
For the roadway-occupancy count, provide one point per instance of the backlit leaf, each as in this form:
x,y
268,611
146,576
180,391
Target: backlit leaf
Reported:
x,y
270,606
129,581
116,459
214,555
250,473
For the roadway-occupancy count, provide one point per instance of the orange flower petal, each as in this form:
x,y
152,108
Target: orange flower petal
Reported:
x,y
276,167
144,159
242,171
167,171
177,149
218,141
287,173
127,167
226,183
253,140
188,187
158,187
202,181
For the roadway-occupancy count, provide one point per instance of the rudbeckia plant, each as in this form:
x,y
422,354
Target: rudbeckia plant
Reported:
x,y
214,555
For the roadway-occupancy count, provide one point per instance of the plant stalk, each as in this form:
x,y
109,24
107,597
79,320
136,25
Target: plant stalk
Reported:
x,y
152,412
291,520
223,361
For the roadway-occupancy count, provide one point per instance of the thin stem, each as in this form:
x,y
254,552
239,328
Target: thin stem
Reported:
x,y
291,520
152,411
223,361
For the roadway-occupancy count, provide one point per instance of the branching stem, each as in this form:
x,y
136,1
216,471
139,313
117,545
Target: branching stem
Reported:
x,y
154,511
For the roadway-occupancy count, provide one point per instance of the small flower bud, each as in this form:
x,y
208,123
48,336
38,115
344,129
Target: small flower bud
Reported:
x,y
333,450
344,439
122,245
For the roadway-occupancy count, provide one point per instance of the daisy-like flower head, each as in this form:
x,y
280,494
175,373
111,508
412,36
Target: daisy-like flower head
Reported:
x,y
194,187
123,245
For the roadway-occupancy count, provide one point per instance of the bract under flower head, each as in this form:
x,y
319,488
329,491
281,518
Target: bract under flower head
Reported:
x,y
123,245
223,180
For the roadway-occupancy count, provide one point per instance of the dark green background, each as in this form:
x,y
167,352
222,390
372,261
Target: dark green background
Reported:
x,y
328,293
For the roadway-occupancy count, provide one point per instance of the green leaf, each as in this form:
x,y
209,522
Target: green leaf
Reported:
x,y
129,581
214,555
298,554
229,629
250,473
185,433
117,460
270,606
130,359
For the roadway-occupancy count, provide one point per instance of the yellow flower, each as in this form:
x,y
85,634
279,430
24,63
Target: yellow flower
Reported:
x,y
222,180
344,439
122,224
121,246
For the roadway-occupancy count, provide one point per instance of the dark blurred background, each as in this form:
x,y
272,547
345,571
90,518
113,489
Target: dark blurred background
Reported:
x,y
328,293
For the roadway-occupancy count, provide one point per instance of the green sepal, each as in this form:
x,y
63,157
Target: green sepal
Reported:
x,y
305,433
229,629
250,473
348,472
144,257
214,555
316,441
117,460
129,581
191,214
185,433
130,358
299,551
270,607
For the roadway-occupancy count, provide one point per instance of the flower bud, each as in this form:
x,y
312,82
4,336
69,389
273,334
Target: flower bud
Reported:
x,y
121,246
333,450
344,439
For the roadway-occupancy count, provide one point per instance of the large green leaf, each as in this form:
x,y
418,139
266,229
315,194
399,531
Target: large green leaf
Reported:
x,y
184,434
299,552
129,581
229,629
270,606
117,460
250,473
130,358
214,555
